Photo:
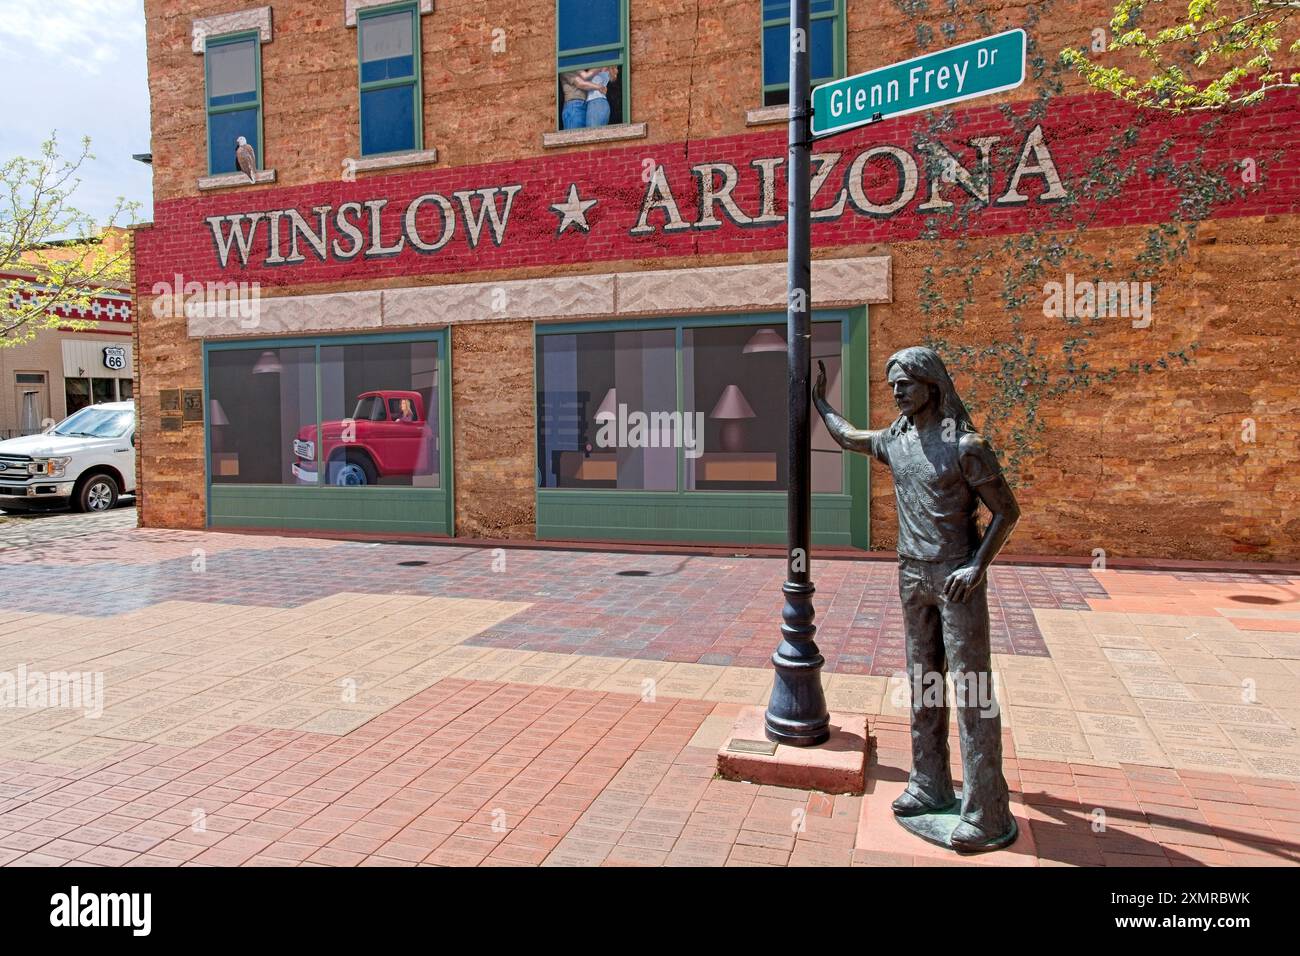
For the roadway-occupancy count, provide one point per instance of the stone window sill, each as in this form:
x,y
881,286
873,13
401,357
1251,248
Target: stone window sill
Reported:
x,y
416,157
227,180
764,115
594,134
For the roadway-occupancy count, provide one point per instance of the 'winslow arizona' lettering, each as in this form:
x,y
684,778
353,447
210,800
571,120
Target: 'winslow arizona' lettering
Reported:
x,y
428,223
343,232
941,165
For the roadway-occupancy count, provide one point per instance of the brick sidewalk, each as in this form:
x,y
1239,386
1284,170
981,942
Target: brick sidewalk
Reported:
x,y
269,702
478,773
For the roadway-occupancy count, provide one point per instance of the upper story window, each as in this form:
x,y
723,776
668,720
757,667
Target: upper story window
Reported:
x,y
388,42
825,47
592,64
233,78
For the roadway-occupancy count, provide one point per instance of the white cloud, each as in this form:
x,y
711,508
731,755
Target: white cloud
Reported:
x,y
78,67
83,34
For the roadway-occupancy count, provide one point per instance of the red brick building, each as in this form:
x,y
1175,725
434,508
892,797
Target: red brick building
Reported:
x,y
443,303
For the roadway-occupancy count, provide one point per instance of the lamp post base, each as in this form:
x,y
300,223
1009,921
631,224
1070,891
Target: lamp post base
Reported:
x,y
796,712
796,733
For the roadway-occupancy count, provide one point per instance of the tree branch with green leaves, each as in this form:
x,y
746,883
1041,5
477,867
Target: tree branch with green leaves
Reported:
x,y
1208,60
52,255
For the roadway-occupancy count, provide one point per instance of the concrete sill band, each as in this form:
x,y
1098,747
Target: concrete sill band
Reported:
x,y
596,134
229,180
836,283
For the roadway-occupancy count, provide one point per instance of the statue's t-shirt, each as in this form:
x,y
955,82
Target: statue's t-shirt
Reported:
x,y
934,482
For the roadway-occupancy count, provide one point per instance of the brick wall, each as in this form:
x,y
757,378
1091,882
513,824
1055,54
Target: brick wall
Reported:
x,y
494,449
169,465
1148,465
1155,465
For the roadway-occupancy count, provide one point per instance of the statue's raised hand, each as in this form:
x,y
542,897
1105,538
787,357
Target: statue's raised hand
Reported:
x,y
819,387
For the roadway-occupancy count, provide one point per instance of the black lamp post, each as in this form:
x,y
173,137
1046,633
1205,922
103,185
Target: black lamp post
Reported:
x,y
796,714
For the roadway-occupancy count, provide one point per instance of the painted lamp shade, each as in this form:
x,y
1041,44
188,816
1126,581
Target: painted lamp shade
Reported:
x,y
608,407
268,363
733,409
764,340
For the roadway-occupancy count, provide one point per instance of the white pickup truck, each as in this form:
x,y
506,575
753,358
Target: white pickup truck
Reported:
x,y
87,460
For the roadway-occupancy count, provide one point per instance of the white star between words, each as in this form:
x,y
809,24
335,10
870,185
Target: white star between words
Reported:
x,y
573,211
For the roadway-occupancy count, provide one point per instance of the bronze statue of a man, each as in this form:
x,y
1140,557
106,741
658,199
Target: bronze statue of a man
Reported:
x,y
942,470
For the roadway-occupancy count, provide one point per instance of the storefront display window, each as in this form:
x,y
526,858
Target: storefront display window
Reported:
x,y
258,402
606,408
379,411
80,392
76,394
734,382
348,433
609,416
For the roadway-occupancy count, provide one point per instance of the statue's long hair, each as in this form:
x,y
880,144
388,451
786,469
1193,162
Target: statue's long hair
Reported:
x,y
924,365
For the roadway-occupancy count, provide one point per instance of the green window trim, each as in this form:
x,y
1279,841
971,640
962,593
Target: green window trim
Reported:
x,y
619,56
416,82
329,500
210,111
839,52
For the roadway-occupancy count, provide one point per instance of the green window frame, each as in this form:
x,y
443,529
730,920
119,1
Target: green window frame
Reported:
x,y
227,109
778,93
414,81
584,57
321,506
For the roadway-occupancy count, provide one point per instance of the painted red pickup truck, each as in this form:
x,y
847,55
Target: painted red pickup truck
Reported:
x,y
387,436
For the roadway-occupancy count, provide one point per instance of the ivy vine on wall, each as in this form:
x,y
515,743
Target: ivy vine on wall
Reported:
x,y
1009,381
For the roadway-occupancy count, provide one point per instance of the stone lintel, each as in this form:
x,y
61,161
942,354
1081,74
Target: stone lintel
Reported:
x,y
256,18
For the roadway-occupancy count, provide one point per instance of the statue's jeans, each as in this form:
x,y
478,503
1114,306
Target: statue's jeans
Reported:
x,y
944,636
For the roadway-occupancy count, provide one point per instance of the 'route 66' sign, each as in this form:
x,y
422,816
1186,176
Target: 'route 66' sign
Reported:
x,y
114,357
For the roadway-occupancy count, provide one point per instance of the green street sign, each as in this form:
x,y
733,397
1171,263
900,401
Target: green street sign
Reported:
x,y
958,73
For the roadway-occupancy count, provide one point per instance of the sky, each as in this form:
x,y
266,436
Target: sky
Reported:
x,y
77,67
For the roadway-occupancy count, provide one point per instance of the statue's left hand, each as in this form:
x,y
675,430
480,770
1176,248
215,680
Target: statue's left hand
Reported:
x,y
961,584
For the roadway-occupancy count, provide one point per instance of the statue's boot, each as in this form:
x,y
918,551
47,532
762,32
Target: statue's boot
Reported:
x,y
909,804
968,838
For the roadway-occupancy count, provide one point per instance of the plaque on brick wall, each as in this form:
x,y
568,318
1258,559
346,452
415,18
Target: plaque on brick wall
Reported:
x,y
169,399
192,406
171,422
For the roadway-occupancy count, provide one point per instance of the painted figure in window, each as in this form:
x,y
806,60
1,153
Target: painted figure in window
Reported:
x,y
942,470
597,96
575,85
405,413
